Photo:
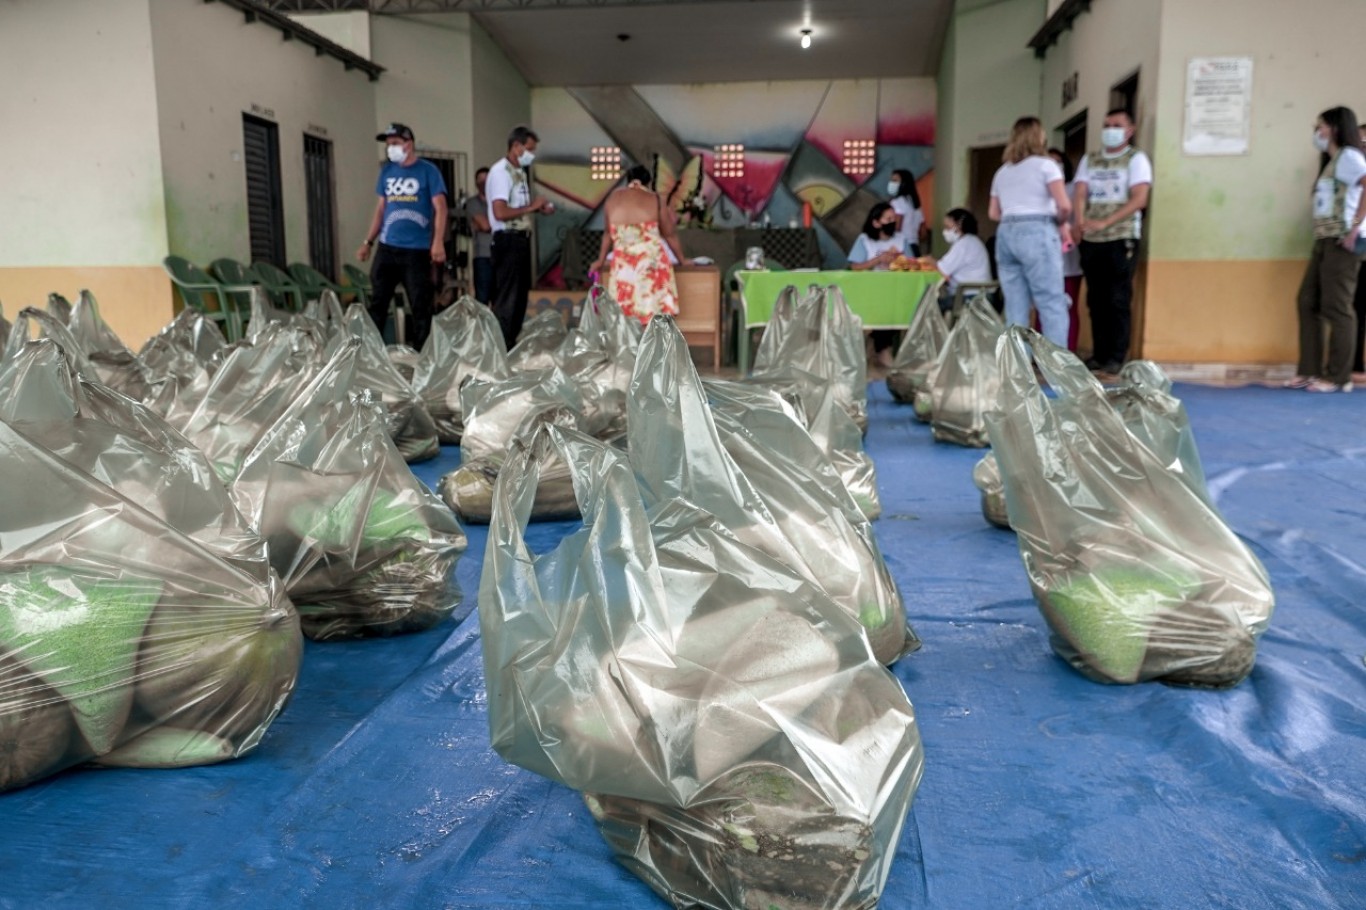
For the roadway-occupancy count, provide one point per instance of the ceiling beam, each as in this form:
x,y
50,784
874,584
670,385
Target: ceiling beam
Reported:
x,y
460,6
265,13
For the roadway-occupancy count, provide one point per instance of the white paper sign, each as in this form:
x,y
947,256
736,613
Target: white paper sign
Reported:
x,y
1218,106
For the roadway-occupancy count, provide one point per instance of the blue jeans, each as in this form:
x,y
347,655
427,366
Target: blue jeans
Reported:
x,y
1029,261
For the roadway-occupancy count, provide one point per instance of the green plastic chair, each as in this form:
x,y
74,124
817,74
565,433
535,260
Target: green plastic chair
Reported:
x,y
314,282
359,283
241,279
279,286
733,322
194,285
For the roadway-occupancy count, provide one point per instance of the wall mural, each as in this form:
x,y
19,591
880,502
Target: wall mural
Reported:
x,y
793,133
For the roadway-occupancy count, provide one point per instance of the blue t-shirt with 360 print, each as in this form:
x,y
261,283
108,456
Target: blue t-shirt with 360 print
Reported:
x,y
408,208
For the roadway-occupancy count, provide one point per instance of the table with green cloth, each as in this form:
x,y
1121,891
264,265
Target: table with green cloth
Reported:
x,y
883,300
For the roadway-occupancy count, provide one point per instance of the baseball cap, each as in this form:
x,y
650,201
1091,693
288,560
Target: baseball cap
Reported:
x,y
396,129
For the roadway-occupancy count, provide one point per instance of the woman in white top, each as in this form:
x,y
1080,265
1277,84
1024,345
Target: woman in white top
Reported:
x,y
967,260
879,244
1330,281
905,201
1071,255
1030,201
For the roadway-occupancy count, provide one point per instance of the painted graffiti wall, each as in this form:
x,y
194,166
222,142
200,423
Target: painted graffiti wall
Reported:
x,y
793,134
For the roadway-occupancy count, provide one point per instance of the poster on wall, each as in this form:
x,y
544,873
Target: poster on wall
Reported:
x,y
1218,106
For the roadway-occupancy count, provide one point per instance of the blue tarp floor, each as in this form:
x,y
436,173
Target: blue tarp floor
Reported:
x,y
377,787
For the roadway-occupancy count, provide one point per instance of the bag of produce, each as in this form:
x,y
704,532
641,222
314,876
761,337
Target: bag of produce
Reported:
x,y
122,639
114,365
404,360
468,490
1143,399
920,348
499,411
966,379
986,476
538,343
764,479
821,335
466,341
363,547
1137,575
599,354
732,734
409,424
188,344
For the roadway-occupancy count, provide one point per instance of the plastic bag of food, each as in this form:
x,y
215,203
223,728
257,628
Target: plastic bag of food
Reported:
x,y
409,424
115,365
188,343
122,639
499,411
404,360
327,312
1143,399
538,344
1137,575
363,547
966,379
986,476
599,354
466,341
818,333
733,735
468,490
59,308
765,480
920,348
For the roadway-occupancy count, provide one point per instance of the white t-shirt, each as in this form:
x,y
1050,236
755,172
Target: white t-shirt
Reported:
x,y
509,184
1351,168
967,260
911,219
1107,184
1023,188
865,248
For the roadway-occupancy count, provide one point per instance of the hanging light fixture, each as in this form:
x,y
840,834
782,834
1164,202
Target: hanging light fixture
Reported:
x,y
806,38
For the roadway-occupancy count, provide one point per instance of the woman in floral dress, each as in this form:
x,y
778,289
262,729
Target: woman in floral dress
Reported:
x,y
640,237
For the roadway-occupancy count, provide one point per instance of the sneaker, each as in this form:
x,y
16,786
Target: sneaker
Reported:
x,y
1322,385
1092,364
1298,382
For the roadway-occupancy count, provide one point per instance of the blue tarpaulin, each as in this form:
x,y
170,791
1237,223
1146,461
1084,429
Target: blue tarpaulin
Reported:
x,y
377,787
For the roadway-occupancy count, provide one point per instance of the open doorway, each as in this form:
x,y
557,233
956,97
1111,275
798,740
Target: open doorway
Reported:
x,y
1071,138
1124,95
982,166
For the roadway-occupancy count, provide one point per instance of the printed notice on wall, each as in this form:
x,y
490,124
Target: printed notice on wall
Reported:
x,y
1218,106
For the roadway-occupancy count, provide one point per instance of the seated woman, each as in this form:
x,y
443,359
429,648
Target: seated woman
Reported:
x,y
967,260
640,239
875,250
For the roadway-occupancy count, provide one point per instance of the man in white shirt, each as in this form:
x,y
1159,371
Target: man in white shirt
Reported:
x,y
511,206
1111,191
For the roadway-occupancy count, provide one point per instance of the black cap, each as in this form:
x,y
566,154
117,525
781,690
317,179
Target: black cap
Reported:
x,y
396,129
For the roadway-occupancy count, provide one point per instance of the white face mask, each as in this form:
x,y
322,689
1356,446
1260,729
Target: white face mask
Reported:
x,y
1320,141
894,188
951,237
526,158
396,153
1112,137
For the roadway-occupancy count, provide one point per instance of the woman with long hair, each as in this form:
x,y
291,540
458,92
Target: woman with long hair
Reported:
x,y
1330,280
876,248
639,234
1029,199
905,201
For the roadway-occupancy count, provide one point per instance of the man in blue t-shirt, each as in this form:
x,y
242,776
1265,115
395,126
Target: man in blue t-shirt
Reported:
x,y
410,226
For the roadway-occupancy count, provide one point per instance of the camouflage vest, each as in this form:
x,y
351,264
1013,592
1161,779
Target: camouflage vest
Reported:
x,y
1330,203
1107,191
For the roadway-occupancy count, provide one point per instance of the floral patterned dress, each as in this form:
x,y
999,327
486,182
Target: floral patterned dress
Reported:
x,y
641,280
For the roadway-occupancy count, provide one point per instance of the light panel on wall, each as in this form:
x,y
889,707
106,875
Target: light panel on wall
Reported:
x,y
605,162
730,160
860,157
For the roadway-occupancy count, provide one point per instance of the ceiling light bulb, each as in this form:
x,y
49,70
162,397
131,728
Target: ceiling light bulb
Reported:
x,y
806,38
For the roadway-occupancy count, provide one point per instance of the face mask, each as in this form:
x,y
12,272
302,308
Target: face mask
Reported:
x,y
951,237
1112,137
894,188
396,153
526,158
1320,141
887,229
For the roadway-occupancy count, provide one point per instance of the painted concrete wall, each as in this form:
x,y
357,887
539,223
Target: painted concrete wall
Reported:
x,y
202,98
501,98
427,82
82,197
351,29
988,78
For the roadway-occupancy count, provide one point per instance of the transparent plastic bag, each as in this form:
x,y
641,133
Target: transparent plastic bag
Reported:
x,y
986,476
466,341
1137,575
539,343
763,477
733,735
966,379
818,333
497,412
920,348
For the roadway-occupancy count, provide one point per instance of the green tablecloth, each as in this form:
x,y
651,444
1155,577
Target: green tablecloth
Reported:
x,y
883,300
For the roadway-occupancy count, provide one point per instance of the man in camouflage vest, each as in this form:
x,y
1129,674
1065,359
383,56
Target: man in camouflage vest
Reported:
x,y
1111,192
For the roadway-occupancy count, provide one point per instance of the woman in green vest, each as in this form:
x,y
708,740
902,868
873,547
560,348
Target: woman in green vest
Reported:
x,y
1330,281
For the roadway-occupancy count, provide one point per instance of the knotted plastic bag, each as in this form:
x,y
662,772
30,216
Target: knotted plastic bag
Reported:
x,y
818,333
466,341
1137,575
539,343
763,477
966,379
732,733
920,348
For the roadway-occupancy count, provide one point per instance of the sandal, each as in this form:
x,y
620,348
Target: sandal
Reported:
x,y
1298,382
1322,385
